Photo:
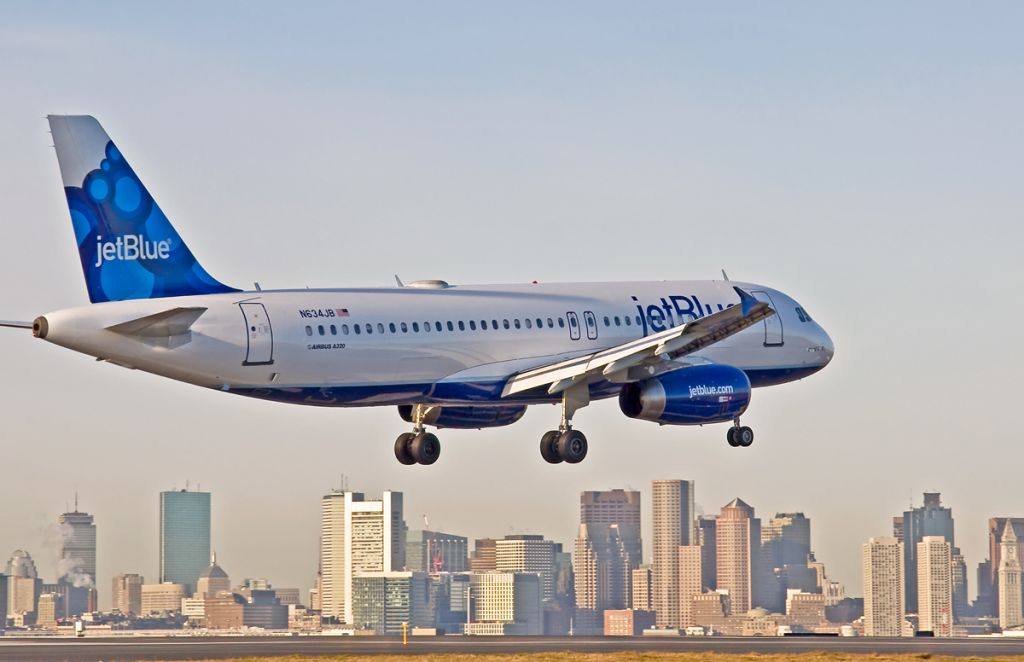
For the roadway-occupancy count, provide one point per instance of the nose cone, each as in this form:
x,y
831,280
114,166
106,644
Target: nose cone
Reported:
x,y
826,347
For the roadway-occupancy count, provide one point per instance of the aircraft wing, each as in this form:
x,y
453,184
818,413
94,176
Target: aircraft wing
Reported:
x,y
669,344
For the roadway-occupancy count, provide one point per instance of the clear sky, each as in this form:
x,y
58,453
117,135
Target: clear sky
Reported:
x,y
863,157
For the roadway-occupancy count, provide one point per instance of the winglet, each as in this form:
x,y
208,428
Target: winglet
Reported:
x,y
746,301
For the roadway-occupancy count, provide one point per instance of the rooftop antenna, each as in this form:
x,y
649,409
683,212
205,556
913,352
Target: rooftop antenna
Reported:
x,y
76,499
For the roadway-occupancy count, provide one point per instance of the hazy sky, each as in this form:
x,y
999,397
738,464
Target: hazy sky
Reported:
x,y
864,157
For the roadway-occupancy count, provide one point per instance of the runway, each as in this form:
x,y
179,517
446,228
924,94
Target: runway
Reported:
x,y
192,648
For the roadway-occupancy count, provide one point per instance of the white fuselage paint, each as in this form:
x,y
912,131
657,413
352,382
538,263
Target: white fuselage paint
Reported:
x,y
375,368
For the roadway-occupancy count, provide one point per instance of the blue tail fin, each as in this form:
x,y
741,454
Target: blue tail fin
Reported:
x,y
129,249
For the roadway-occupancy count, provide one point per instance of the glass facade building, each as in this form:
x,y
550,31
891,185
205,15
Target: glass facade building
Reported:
x,y
184,537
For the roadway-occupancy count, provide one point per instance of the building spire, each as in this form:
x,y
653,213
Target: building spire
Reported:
x,y
1009,535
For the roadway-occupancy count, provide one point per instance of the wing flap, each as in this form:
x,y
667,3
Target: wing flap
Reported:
x,y
669,344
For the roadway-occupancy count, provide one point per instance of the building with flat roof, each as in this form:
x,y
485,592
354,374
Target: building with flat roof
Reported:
x,y
931,519
126,593
882,562
528,553
935,586
627,622
434,551
357,535
672,505
165,597
506,603
383,601
77,565
184,537
484,557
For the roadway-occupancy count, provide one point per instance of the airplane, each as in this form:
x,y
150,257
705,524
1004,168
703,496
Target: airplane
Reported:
x,y
446,356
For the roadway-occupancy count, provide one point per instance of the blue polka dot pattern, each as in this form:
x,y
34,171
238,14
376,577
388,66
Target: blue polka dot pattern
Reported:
x,y
129,249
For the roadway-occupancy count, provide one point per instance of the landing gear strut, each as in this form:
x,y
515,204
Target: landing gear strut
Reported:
x,y
566,444
418,446
739,435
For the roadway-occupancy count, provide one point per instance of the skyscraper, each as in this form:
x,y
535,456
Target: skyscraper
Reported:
x,y
988,585
738,538
707,538
184,537
883,587
433,551
787,538
935,586
691,583
931,519
672,506
608,547
528,553
77,565
126,593
23,584
357,536
1010,603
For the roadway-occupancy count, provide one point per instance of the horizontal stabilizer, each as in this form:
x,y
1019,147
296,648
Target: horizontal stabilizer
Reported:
x,y
16,325
173,322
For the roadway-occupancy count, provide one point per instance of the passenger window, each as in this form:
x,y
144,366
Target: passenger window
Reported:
x,y
483,325
380,327
607,322
334,330
516,322
472,325
451,327
415,327
462,325
391,326
369,328
572,322
437,325
426,327
309,330
540,323
561,323
628,320
551,323
505,323
529,324
320,329
494,324
405,328
344,329
357,329
638,322
618,322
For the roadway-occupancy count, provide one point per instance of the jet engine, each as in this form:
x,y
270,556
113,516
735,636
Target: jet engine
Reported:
x,y
689,396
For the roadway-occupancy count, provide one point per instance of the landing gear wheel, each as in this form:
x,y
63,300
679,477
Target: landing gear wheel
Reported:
x,y
402,451
744,436
549,447
425,448
730,436
572,446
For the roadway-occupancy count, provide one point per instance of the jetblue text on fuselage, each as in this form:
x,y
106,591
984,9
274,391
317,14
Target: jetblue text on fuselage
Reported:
x,y
131,247
672,311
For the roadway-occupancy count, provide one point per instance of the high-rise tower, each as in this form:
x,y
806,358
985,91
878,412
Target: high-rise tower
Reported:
x,y
672,505
77,565
184,537
883,587
1010,607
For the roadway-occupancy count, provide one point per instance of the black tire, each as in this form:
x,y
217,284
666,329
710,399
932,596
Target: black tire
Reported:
x,y
426,448
402,451
744,436
549,447
572,446
730,436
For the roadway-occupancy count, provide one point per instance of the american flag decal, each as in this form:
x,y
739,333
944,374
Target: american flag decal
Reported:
x,y
341,312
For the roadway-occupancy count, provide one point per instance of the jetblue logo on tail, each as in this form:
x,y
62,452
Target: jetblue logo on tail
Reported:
x,y
131,247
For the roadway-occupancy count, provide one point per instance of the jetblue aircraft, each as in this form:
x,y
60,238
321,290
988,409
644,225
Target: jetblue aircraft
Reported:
x,y
446,356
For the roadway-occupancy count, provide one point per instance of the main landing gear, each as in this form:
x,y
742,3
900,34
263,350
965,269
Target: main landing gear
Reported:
x,y
418,446
565,444
739,436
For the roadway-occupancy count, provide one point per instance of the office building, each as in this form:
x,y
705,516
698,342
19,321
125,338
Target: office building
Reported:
x,y
433,551
184,537
77,564
357,536
528,553
505,603
212,581
47,610
3,601
738,536
935,586
643,588
705,530
882,562
483,558
383,601
1010,591
627,622
961,603
126,593
264,610
787,540
23,584
165,597
691,582
224,612
672,506
931,519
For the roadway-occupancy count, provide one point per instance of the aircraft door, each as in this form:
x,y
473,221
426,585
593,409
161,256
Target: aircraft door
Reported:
x,y
772,325
574,325
591,321
260,337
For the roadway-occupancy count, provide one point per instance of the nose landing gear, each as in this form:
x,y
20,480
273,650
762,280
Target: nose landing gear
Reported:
x,y
739,436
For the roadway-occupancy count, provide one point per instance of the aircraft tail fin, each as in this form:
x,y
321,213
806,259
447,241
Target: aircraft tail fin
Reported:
x,y
128,248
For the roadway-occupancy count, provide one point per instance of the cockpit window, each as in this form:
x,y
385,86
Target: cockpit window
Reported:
x,y
802,315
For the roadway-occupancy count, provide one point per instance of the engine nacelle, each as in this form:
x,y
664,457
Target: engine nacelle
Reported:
x,y
688,396
467,418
